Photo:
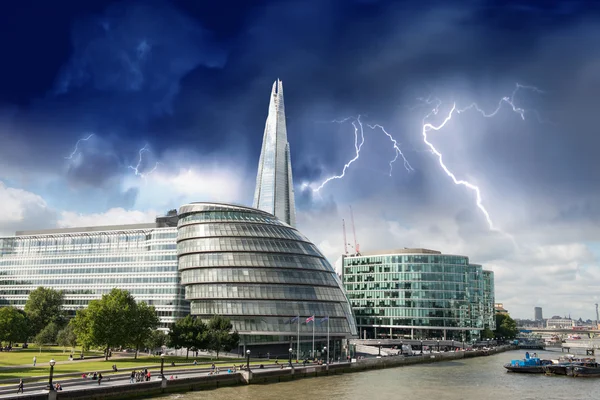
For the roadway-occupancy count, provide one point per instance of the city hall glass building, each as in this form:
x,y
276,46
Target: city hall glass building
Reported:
x,y
419,293
86,263
263,274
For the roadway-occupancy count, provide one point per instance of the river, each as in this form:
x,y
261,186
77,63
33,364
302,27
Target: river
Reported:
x,y
475,378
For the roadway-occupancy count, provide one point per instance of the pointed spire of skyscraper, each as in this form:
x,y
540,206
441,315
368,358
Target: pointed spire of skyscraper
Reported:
x,y
274,186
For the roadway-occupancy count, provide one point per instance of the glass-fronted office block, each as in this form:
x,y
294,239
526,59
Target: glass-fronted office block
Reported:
x,y
274,191
261,273
86,263
489,299
418,293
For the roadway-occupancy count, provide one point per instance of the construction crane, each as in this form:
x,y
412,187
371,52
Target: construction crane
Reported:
x,y
345,240
356,246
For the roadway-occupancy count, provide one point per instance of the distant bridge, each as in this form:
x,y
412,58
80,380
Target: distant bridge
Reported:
x,y
419,343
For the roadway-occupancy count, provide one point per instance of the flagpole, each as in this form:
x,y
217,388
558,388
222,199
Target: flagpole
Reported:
x,y
313,349
298,340
328,348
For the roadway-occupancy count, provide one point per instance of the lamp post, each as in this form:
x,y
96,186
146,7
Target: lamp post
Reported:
x,y
50,385
379,343
325,354
291,350
438,345
248,359
488,343
421,347
401,347
162,365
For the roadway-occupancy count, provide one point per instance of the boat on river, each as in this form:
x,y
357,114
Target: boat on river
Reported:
x,y
565,365
591,369
529,365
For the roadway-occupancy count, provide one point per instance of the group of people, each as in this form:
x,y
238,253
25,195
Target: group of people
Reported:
x,y
140,376
94,376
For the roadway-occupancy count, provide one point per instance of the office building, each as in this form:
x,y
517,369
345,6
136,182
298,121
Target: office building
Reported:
x,y
418,293
499,309
538,314
560,323
274,191
86,263
261,273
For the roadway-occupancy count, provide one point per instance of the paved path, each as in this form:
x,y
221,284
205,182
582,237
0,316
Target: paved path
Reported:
x,y
118,379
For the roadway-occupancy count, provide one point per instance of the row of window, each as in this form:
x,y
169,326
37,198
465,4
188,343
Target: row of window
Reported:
x,y
173,290
246,307
135,258
111,281
408,294
439,268
250,244
408,258
239,230
220,216
90,270
278,324
266,292
430,303
416,285
201,260
88,250
258,275
433,322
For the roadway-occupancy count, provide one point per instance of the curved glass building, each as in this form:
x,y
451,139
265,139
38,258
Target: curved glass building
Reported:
x,y
419,293
247,265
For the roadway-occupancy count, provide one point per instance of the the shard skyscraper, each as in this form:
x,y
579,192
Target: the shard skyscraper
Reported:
x,y
274,187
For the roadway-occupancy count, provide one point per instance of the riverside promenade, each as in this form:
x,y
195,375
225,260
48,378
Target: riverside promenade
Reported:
x,y
193,379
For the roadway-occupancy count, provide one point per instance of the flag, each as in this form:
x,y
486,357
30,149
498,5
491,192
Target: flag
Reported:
x,y
310,319
323,319
291,321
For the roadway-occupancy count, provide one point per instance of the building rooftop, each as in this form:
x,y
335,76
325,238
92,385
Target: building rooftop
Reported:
x,y
400,251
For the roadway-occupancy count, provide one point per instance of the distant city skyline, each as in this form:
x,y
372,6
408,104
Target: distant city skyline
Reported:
x,y
114,112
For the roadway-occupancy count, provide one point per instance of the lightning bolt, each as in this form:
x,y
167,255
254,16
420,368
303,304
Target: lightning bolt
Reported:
x,y
357,147
473,106
76,149
136,169
399,153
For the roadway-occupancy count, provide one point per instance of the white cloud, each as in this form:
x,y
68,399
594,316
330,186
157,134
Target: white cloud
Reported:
x,y
20,209
114,216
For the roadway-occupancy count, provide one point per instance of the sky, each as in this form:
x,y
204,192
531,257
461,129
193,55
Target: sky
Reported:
x,y
115,112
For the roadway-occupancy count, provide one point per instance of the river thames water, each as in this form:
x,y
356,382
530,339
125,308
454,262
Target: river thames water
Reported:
x,y
475,378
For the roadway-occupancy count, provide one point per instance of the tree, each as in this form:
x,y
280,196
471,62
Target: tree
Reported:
x,y
156,339
506,326
144,322
107,322
44,305
47,335
219,336
66,337
487,333
188,332
13,325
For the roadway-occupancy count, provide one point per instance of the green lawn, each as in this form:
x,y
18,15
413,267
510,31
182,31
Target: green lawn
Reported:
x,y
25,356
9,361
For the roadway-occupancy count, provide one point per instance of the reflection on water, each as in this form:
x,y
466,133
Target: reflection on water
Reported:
x,y
477,378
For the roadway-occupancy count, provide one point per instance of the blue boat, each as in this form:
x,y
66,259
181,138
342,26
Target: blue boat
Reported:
x,y
530,365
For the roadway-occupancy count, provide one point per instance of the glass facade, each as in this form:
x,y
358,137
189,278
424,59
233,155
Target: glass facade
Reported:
x,y
419,294
274,187
91,262
246,264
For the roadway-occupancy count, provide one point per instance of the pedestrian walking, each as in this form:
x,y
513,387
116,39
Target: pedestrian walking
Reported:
x,y
34,360
99,378
20,390
132,377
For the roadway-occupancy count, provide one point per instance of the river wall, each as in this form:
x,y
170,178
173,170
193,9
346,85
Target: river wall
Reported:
x,y
256,376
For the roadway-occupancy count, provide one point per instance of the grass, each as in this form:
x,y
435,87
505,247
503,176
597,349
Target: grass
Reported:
x,y
11,363
21,356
